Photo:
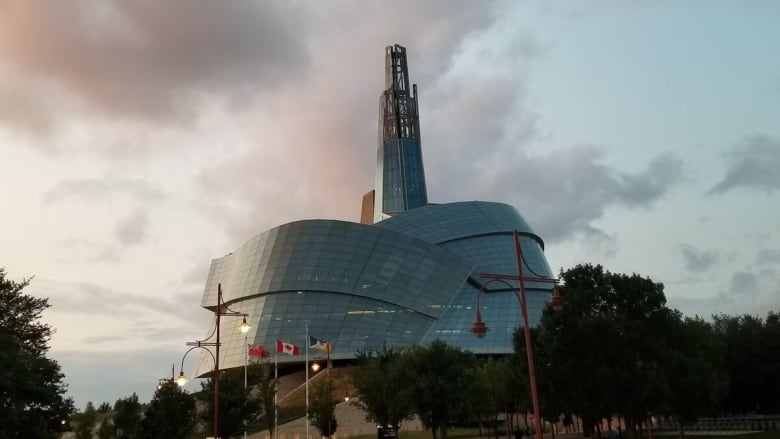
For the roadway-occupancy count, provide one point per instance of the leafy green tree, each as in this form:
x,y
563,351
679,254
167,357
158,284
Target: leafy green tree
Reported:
x,y
170,414
695,373
87,420
104,408
604,352
32,402
106,429
322,407
237,404
127,416
491,393
385,393
438,373
752,362
771,366
261,378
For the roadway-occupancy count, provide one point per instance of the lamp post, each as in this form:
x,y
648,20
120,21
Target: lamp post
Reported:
x,y
479,328
162,381
221,310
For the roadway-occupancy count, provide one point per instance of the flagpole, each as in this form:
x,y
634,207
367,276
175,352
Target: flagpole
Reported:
x,y
306,366
276,393
246,360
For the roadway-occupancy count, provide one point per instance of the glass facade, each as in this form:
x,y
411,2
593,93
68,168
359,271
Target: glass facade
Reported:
x,y
403,185
407,280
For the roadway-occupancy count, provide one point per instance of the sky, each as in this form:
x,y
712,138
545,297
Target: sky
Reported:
x,y
140,140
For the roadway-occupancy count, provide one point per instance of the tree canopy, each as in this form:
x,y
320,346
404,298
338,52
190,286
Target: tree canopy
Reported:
x,y
238,405
322,407
616,349
381,383
170,414
32,401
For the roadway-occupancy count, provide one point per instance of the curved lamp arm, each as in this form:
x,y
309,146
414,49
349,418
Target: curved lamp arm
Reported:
x,y
182,380
479,328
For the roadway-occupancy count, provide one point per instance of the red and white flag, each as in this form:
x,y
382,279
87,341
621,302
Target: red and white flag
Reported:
x,y
287,348
258,351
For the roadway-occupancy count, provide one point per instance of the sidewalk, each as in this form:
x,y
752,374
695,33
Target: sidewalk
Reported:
x,y
352,422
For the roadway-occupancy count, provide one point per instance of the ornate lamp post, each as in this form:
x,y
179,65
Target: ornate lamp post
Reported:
x,y
479,328
221,310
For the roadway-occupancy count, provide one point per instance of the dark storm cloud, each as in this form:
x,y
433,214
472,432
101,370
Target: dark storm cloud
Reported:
x,y
145,58
698,260
753,165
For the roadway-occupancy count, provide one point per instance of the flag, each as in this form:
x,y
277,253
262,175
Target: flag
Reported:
x,y
258,351
324,346
287,348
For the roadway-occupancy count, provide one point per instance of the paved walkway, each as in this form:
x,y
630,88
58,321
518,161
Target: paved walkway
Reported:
x,y
352,422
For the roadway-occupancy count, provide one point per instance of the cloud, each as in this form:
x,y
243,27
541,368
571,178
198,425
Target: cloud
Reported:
x,y
132,371
752,165
96,339
697,260
563,192
753,292
94,189
147,59
750,285
132,230
768,256
26,105
86,298
314,158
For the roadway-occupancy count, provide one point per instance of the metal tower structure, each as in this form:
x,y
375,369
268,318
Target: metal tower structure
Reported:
x,y
400,176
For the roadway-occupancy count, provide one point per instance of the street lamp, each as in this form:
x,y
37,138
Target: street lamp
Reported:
x,y
480,329
162,381
182,379
221,310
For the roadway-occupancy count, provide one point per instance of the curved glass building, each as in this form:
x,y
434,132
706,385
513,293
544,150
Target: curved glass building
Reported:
x,y
408,274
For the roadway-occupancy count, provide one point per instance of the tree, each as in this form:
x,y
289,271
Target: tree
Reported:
x,y
127,416
106,429
261,378
104,408
438,373
752,349
385,393
238,406
170,414
604,352
32,402
491,392
86,422
322,407
695,373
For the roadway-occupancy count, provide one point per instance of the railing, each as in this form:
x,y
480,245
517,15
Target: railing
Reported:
x,y
732,423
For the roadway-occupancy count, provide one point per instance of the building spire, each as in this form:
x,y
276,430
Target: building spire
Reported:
x,y
400,179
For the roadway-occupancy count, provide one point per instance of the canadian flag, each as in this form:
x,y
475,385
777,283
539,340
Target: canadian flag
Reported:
x,y
287,348
257,351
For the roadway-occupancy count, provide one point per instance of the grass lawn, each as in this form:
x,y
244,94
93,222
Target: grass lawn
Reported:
x,y
694,435
456,433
